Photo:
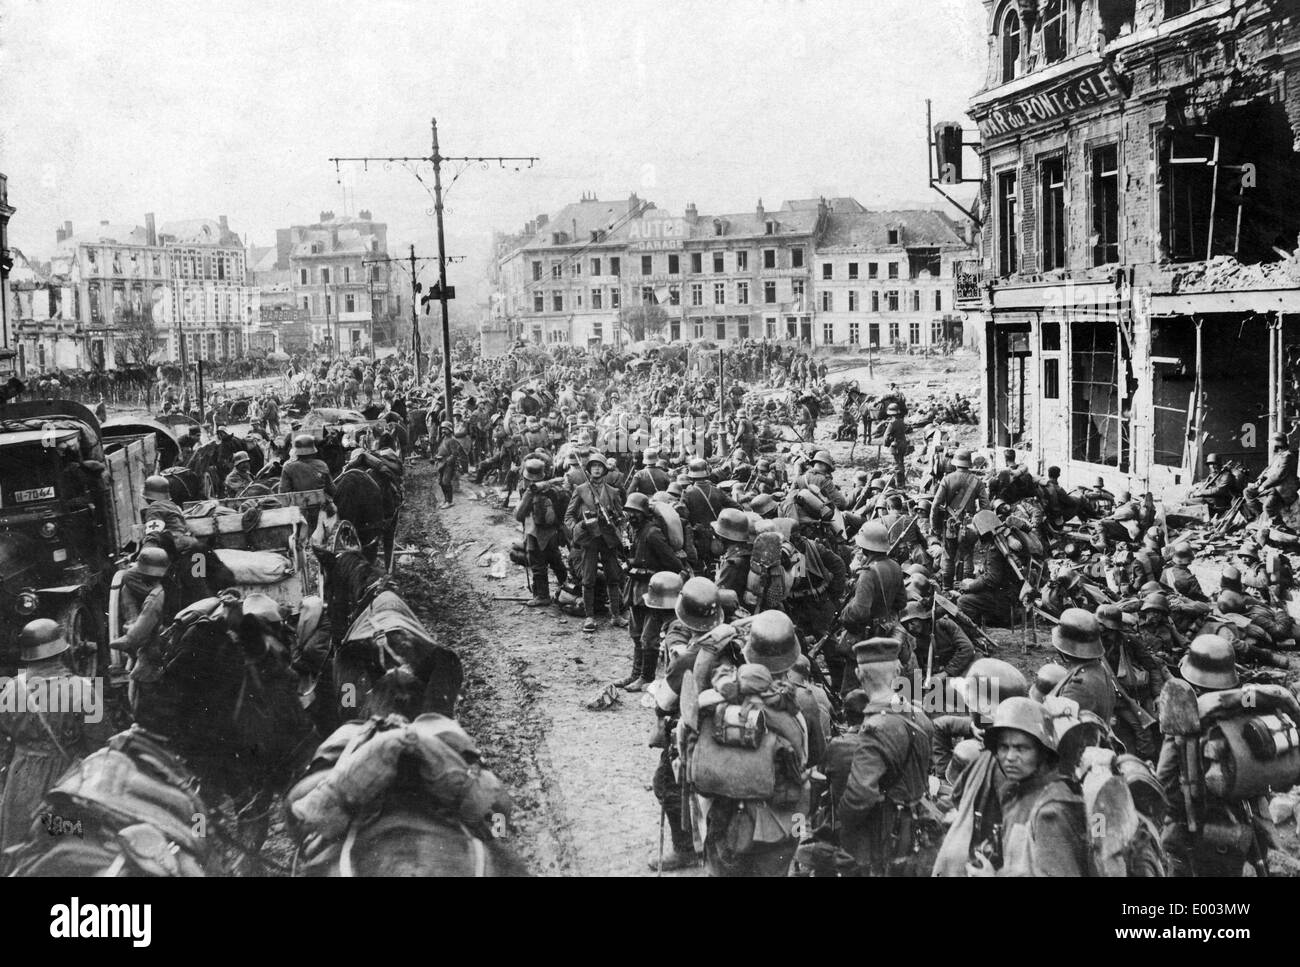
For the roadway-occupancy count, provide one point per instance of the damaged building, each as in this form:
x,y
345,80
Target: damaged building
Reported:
x,y
1139,287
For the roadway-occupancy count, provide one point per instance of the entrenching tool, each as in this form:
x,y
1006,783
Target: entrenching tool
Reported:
x,y
1181,719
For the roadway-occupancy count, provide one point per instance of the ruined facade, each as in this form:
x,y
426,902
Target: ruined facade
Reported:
x,y
1138,284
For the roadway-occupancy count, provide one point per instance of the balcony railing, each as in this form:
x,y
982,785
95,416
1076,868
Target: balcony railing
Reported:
x,y
969,285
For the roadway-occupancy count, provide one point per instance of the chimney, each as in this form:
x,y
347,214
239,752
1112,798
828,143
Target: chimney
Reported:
x,y
103,223
692,213
574,236
759,210
542,220
633,202
150,230
283,246
59,235
225,225
364,214
67,229
326,216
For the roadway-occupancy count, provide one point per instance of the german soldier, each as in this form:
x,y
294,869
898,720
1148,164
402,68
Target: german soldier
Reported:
x,y
878,789
960,494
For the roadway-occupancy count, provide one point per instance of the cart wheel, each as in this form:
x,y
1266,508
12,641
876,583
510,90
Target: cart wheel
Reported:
x,y
81,630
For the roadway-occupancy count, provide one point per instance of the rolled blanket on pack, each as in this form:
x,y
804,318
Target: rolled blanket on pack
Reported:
x,y
255,567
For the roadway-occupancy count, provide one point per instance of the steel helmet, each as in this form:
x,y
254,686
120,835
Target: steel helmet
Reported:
x,y
1230,579
1004,681
1155,602
732,525
649,455
873,537
914,611
1211,459
824,457
240,456
698,469
891,409
152,562
961,459
262,606
1230,602
1182,552
594,458
1023,715
1047,678
1249,551
763,505
697,605
1210,662
534,469
446,425
675,489
664,589
728,603
1078,635
1110,616
40,639
772,642
637,503
157,488
304,445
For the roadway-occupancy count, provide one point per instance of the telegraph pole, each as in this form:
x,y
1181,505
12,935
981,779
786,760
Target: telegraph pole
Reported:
x,y
416,288
442,292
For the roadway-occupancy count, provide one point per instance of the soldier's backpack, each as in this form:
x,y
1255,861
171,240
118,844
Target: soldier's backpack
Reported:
x,y
768,583
1124,806
671,523
752,742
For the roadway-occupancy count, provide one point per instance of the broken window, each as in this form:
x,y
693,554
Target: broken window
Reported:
x,y
1176,8
1056,16
1187,181
1105,205
1052,178
1099,423
1008,225
921,260
1010,45
1173,386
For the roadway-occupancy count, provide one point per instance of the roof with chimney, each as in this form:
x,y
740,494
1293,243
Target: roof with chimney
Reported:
x,y
574,223
786,221
197,231
107,232
835,205
340,241
868,231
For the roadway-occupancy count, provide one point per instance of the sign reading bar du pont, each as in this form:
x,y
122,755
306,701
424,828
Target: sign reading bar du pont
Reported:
x,y
655,232
1030,110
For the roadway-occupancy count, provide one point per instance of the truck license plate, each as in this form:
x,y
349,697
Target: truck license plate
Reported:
x,y
39,493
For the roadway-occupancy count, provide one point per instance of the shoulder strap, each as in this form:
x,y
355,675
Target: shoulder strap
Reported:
x,y
972,484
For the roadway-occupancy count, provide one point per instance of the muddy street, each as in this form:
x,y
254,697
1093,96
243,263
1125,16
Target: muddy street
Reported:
x,y
579,779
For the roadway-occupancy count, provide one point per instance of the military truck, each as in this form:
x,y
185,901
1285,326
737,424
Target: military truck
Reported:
x,y
70,502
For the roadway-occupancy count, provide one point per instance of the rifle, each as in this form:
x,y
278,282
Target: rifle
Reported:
x,y
980,639
606,520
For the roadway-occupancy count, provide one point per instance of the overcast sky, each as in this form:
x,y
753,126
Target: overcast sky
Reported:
x,y
198,109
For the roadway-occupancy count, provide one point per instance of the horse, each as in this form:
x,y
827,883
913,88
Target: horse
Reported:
x,y
219,729
409,830
222,690
360,500
376,635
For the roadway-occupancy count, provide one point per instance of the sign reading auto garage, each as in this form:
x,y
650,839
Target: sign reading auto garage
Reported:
x,y
1041,107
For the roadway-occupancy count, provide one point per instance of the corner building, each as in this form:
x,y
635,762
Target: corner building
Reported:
x,y
1137,284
